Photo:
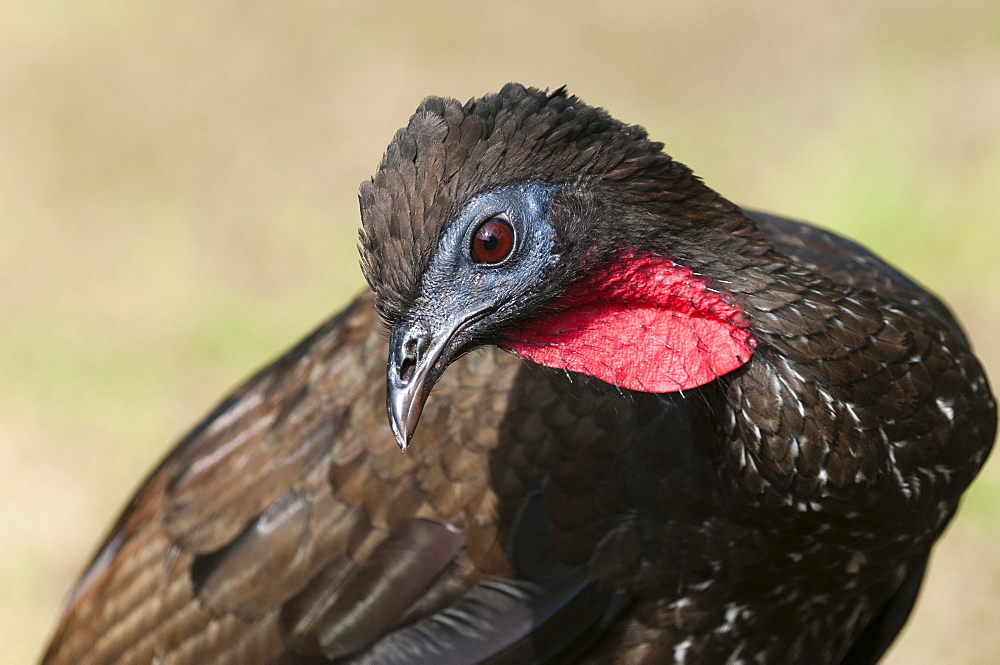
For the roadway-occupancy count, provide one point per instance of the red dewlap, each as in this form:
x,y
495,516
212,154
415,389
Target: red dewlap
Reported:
x,y
645,324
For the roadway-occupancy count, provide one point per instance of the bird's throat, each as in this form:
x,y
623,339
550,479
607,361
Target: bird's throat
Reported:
x,y
643,323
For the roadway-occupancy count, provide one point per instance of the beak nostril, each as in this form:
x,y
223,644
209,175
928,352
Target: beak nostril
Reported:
x,y
406,367
412,351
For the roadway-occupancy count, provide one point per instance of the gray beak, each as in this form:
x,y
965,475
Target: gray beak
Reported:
x,y
417,359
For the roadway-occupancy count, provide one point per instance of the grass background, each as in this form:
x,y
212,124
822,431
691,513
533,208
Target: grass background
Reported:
x,y
178,205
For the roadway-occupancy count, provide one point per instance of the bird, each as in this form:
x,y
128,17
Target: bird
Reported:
x,y
639,424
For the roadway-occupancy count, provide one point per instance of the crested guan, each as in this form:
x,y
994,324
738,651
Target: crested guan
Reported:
x,y
715,436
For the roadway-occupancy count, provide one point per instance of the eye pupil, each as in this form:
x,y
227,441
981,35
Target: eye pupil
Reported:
x,y
493,240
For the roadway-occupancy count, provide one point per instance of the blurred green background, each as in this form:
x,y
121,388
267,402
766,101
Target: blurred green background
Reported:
x,y
178,205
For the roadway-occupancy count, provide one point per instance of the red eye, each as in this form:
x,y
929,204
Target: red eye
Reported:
x,y
493,241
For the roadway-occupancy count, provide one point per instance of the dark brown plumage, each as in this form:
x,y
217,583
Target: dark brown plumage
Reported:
x,y
778,507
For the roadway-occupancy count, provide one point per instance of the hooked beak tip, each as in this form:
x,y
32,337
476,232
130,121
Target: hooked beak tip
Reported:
x,y
402,437
404,403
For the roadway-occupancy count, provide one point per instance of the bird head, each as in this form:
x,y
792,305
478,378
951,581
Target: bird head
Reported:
x,y
531,221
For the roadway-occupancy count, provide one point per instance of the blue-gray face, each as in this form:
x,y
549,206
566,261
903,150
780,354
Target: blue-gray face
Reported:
x,y
459,288
490,259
